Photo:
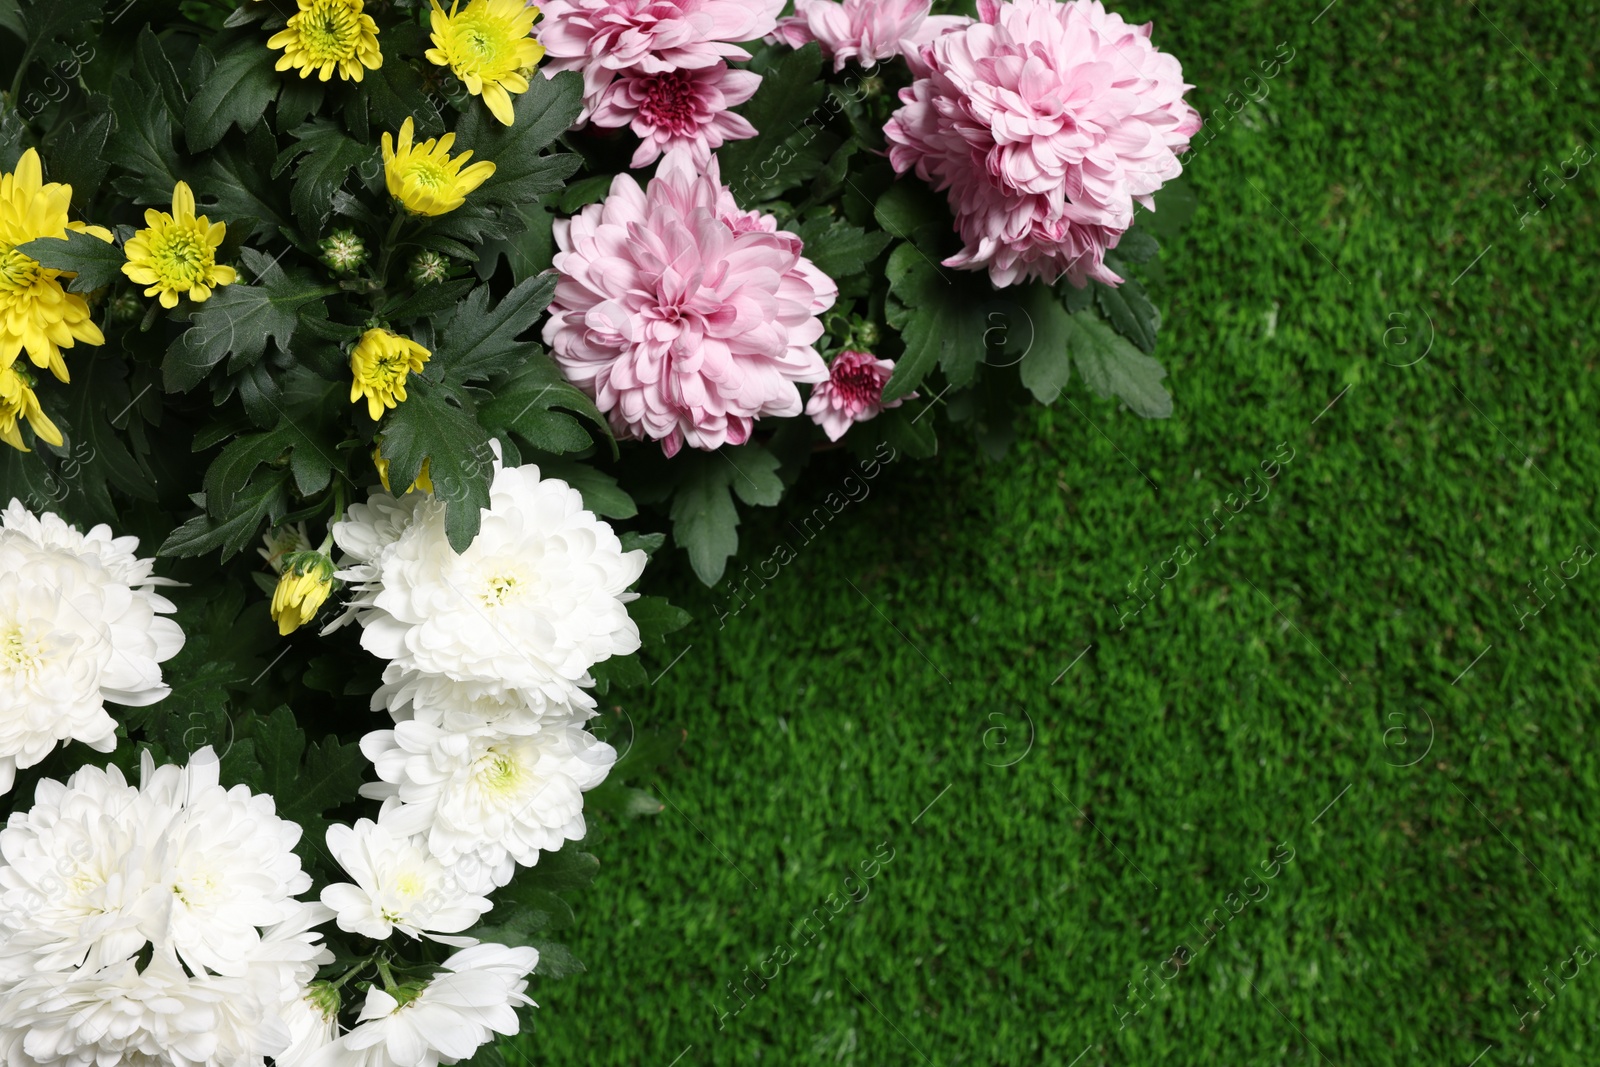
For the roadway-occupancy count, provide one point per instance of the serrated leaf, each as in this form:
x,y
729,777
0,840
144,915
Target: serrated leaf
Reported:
x,y
1113,367
839,249
536,387
768,164
142,142
1137,246
239,319
305,781
264,500
327,160
940,319
77,152
234,92
98,457
96,262
907,206
656,618
649,544
704,520
523,170
47,20
556,961
429,426
1130,311
1047,363
600,491
480,342
755,474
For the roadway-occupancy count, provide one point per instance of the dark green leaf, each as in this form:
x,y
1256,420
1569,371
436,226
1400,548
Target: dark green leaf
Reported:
x,y
480,342
785,151
839,249
537,385
656,618
328,157
1131,312
427,425
1113,367
601,494
142,142
266,499
940,319
48,20
77,153
907,206
704,520
1047,362
523,170
1137,246
97,263
556,961
234,92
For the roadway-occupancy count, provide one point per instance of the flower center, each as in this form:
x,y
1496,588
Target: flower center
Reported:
x,y
669,101
497,772
329,30
18,653
858,384
389,369
17,271
180,257
500,588
428,174
483,45
408,886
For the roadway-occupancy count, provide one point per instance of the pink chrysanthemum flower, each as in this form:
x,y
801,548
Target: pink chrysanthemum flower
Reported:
x,y
684,318
853,392
604,37
867,31
1045,122
679,109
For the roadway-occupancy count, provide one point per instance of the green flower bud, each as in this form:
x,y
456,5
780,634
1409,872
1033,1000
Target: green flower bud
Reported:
x,y
343,251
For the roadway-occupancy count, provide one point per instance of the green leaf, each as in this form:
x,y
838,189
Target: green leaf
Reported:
x,y
649,544
328,157
656,618
1175,206
839,249
395,92
940,319
523,171
478,342
537,386
77,152
239,319
529,248
48,20
580,194
305,781
704,520
1131,312
234,92
1047,362
556,961
1113,367
907,206
142,142
429,425
783,153
228,474
263,500
98,456
97,263
1136,246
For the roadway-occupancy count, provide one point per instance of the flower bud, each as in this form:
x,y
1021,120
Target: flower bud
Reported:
x,y
429,267
306,582
343,251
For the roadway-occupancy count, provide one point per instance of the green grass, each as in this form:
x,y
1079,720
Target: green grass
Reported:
x,y
1248,704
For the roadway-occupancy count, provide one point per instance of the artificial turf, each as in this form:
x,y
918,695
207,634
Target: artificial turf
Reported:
x,y
1369,609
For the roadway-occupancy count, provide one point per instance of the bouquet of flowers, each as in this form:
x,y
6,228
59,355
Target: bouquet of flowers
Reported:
x,y
435,320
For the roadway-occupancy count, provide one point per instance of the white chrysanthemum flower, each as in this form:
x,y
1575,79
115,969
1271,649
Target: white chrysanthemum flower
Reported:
x,y
313,1021
398,885
122,1015
485,800
462,1008
461,706
79,626
197,878
536,600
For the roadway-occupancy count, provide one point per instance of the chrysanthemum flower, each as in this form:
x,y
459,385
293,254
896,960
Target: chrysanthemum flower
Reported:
x,y
379,364
866,31
485,798
853,392
537,599
398,885
155,924
424,178
679,109
489,48
603,37
18,404
37,315
683,317
1045,122
442,701
446,1020
327,36
306,581
176,254
80,625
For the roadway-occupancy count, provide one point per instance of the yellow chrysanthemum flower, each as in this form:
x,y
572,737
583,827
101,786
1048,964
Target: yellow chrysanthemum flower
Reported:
x,y
424,479
302,589
424,178
489,48
17,402
380,362
37,315
177,253
329,35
